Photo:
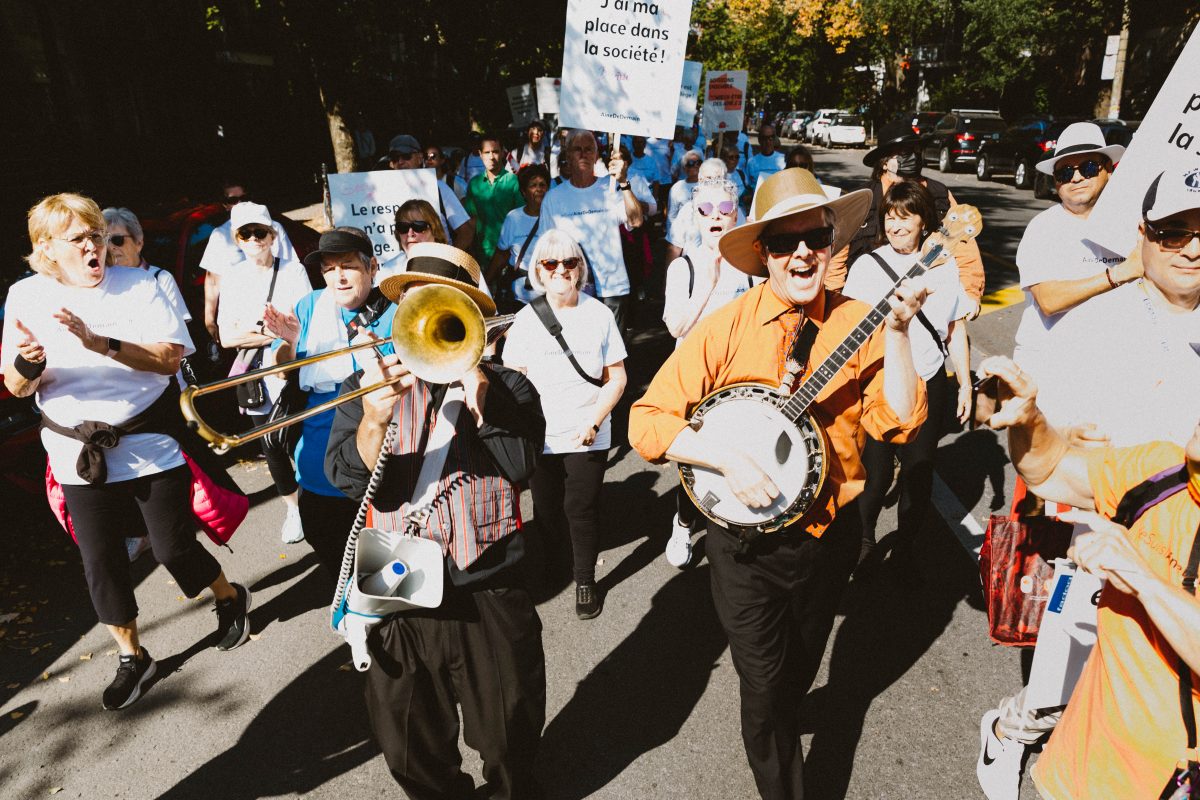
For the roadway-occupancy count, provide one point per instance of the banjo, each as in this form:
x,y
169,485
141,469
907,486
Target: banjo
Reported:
x,y
776,430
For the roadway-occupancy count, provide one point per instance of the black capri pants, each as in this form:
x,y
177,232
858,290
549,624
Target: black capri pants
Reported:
x,y
101,515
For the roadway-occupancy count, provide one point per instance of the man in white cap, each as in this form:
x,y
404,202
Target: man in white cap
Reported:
x,y
404,152
1130,376
775,594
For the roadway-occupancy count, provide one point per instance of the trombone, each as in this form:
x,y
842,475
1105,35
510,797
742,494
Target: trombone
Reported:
x,y
438,332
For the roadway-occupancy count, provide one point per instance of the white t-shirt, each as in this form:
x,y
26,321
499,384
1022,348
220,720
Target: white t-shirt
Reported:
x,y
1128,365
679,196
454,216
642,191
222,250
685,234
760,167
80,385
592,217
568,401
1052,249
947,301
731,284
513,233
166,282
647,166
659,150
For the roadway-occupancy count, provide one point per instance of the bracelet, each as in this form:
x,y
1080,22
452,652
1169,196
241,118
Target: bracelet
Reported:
x,y
29,370
1108,274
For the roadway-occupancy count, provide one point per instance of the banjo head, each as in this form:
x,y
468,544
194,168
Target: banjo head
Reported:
x,y
748,417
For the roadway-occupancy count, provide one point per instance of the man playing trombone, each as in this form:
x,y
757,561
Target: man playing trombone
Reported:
x,y
481,648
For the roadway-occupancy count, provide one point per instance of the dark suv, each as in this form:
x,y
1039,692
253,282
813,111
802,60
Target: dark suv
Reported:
x,y
956,138
906,122
1022,145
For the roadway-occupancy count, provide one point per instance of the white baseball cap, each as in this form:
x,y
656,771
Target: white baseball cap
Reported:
x,y
249,214
1171,193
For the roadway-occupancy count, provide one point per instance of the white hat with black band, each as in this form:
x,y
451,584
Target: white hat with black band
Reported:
x,y
1080,137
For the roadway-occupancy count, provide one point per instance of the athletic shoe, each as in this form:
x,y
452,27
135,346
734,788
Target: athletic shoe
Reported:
x,y
135,546
588,601
999,764
133,674
233,621
293,529
679,546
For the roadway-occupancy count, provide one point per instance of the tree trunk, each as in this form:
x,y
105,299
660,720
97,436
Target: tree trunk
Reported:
x,y
345,154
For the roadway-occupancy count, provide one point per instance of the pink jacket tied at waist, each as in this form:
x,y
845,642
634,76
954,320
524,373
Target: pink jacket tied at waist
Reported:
x,y
218,510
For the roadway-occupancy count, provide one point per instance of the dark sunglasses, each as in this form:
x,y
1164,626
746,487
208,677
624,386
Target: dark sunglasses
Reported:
x,y
784,244
118,239
258,232
1171,239
551,264
725,208
690,164
417,226
1088,169
233,200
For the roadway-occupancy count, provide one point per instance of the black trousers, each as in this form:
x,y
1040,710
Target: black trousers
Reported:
x,y
916,468
482,651
101,515
776,603
327,521
279,463
566,497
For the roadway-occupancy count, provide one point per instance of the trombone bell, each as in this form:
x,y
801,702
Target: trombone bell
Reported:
x,y
438,333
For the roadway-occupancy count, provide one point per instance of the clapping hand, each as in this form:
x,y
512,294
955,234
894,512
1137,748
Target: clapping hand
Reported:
x,y
280,325
28,346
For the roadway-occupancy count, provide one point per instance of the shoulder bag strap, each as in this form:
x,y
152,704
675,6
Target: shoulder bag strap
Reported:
x,y
528,239
274,276
804,343
691,273
924,320
1149,493
541,307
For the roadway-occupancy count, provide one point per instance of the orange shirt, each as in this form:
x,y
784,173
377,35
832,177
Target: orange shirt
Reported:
x,y
1122,732
739,343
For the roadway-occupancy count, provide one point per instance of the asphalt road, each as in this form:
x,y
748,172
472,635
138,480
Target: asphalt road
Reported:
x,y
643,700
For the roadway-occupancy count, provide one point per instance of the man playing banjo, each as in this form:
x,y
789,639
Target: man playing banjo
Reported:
x,y
776,593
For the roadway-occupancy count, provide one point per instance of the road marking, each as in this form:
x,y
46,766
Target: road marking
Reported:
x,y
1001,298
965,527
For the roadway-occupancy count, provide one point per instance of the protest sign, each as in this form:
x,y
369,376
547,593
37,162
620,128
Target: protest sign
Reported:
x,y
548,90
523,104
1167,140
689,91
724,101
1066,636
369,200
622,65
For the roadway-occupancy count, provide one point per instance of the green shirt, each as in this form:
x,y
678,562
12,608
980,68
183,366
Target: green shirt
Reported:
x,y
489,203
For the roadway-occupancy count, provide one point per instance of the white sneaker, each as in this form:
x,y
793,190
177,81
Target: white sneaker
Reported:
x,y
999,764
135,546
293,530
679,546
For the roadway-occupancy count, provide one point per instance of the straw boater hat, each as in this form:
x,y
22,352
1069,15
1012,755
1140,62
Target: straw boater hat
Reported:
x,y
1080,137
432,262
784,194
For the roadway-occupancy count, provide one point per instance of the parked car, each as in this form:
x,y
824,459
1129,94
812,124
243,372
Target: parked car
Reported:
x,y
918,122
22,459
955,139
845,130
1018,148
816,125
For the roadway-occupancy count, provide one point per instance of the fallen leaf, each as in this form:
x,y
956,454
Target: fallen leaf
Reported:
x,y
17,714
55,789
180,597
45,676
86,657
283,555
254,637
64,679
170,583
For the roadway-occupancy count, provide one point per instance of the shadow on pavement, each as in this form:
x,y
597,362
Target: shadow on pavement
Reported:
x,y
665,664
309,733
972,464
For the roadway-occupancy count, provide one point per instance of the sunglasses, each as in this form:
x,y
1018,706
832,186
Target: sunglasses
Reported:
x,y
725,208
551,264
233,200
784,244
118,239
416,226
690,164
257,232
1171,239
1088,169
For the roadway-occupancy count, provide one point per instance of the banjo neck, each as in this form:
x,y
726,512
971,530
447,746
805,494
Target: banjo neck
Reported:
x,y
798,403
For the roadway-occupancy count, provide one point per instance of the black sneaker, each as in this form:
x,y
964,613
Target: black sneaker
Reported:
x,y
588,600
133,674
233,621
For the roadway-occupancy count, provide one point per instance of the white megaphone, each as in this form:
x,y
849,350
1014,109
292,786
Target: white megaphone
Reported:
x,y
382,590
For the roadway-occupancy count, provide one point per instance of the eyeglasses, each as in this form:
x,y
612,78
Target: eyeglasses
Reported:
x,y
80,240
1171,239
416,226
234,199
1088,169
248,232
725,208
551,264
118,239
784,244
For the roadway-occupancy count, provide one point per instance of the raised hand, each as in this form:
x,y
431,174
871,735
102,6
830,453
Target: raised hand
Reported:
x,y
29,347
78,328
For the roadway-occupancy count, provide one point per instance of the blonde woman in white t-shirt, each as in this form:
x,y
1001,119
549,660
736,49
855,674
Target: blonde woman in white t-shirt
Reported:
x,y
99,348
698,283
578,410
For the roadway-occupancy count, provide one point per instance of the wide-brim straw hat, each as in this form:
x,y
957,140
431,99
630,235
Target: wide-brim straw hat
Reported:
x,y
1080,137
785,194
433,262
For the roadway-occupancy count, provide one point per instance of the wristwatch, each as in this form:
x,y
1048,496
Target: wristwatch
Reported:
x,y
623,187
595,429
114,347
